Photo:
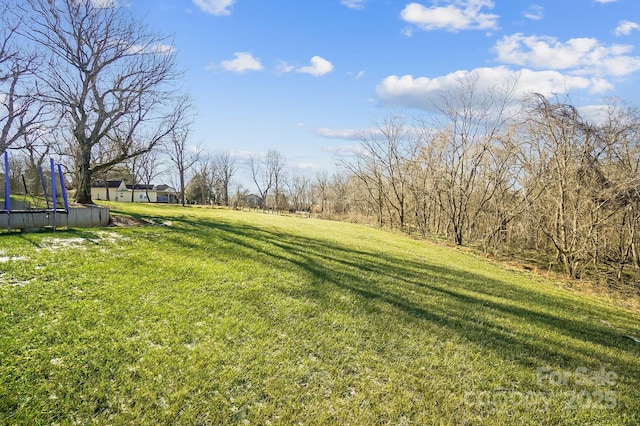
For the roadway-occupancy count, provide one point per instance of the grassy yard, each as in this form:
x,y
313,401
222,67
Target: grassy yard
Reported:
x,y
216,317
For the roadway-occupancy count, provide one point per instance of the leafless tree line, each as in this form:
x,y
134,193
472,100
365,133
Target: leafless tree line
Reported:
x,y
543,180
210,183
531,178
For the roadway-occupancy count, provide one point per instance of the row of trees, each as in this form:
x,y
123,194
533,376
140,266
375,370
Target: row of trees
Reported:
x,y
276,187
211,180
541,178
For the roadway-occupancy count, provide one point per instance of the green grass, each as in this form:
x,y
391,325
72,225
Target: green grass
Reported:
x,y
217,317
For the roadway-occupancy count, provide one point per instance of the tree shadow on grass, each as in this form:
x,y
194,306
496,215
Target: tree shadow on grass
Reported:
x,y
521,325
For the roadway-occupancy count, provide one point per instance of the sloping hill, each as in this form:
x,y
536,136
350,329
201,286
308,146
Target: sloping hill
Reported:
x,y
214,316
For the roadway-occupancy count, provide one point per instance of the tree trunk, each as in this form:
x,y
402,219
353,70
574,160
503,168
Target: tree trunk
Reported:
x,y
133,184
225,193
457,231
83,195
182,202
106,188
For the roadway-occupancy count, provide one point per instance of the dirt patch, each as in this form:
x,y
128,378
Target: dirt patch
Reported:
x,y
127,221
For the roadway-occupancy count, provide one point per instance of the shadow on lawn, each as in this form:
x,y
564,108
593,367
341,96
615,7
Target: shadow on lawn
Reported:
x,y
513,321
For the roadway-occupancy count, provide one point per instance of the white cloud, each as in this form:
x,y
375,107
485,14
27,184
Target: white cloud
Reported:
x,y
345,134
307,166
357,75
215,7
353,4
242,155
550,82
104,4
457,15
625,27
595,113
422,92
581,56
535,13
160,48
343,151
284,67
163,48
606,1
319,66
243,62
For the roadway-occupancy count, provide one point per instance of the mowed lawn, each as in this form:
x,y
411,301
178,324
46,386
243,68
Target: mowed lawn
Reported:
x,y
222,317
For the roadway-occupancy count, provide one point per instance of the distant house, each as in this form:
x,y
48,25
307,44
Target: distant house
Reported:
x,y
253,201
108,190
165,194
117,190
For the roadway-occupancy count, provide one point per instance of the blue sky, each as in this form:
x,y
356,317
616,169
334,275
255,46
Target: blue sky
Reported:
x,y
302,76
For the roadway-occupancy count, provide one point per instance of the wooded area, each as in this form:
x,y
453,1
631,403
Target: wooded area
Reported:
x,y
542,180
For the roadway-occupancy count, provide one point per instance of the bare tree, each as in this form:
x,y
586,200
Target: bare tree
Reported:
x,y
389,145
340,189
35,156
472,121
274,164
562,152
321,189
421,185
268,172
143,169
299,190
111,79
614,171
224,167
502,175
262,176
182,156
206,180
149,168
21,112
367,169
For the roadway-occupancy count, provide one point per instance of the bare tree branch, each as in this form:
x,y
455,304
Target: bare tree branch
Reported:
x,y
110,78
